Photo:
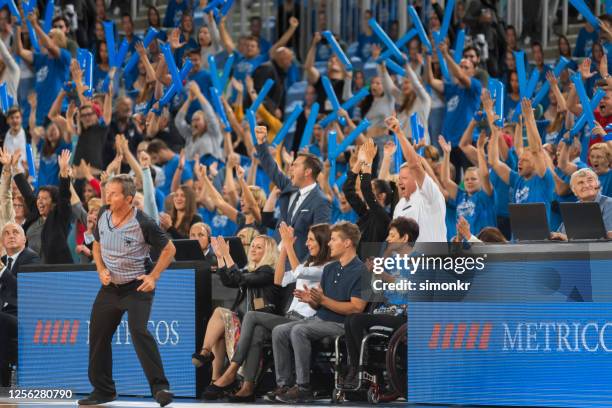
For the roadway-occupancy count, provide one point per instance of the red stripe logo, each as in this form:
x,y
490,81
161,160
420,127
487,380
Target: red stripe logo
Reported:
x,y
455,334
56,331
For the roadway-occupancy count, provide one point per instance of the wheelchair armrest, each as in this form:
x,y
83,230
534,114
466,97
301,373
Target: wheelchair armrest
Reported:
x,y
381,329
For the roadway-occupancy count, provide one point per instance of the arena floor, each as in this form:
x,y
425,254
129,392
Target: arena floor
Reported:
x,y
181,403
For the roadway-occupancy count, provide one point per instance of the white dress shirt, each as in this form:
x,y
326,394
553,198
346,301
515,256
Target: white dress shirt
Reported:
x,y
428,208
304,191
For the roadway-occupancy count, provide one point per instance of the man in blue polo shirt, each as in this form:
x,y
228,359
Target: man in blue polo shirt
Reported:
x,y
161,155
534,182
338,296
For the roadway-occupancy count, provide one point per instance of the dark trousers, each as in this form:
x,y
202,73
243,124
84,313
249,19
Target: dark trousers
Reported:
x,y
108,309
8,350
356,326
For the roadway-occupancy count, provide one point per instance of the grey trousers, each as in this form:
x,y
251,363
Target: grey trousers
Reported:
x,y
254,330
298,336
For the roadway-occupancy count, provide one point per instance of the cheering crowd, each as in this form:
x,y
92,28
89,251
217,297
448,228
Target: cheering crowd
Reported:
x,y
210,163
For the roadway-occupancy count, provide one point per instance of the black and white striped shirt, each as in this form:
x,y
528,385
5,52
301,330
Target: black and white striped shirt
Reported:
x,y
125,250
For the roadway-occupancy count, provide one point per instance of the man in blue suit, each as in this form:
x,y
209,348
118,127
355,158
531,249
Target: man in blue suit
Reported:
x,y
302,202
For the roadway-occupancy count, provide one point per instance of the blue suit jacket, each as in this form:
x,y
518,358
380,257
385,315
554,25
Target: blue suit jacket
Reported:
x,y
314,209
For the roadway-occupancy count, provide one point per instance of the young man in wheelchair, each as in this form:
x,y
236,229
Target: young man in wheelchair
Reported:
x,y
339,295
403,232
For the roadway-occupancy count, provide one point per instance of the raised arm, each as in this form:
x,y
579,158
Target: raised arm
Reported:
x,y
286,37
312,74
268,164
411,156
436,84
27,55
499,167
45,41
465,144
533,136
483,169
11,65
447,182
144,58
453,68
566,166
226,38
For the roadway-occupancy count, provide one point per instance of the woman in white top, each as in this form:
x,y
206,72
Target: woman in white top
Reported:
x,y
257,326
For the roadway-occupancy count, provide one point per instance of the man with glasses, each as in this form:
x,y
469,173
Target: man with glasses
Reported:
x,y
94,134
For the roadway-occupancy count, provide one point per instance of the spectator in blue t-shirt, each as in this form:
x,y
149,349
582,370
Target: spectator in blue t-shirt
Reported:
x,y
101,67
248,55
174,12
51,66
170,162
462,101
512,95
586,37
49,150
474,201
256,26
533,183
366,38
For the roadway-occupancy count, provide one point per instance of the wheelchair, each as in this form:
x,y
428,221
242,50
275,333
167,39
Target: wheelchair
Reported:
x,y
382,367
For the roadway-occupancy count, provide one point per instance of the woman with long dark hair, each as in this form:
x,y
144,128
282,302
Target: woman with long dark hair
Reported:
x,y
375,207
565,50
182,214
154,21
257,326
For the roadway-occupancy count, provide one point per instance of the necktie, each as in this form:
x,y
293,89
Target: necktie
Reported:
x,y
9,263
292,207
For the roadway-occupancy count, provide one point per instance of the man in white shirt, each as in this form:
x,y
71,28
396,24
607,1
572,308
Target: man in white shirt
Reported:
x,y
421,198
15,138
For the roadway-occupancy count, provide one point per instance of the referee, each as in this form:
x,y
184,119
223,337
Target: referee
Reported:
x,y
123,238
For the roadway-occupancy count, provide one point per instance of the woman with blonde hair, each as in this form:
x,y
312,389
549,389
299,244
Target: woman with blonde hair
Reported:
x,y
256,292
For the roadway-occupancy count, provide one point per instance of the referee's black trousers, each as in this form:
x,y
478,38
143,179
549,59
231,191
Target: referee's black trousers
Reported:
x,y
108,309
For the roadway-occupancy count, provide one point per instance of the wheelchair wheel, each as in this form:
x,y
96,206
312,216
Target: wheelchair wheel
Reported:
x,y
373,395
397,360
338,396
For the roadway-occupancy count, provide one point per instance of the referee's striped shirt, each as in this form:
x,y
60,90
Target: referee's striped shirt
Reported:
x,y
126,250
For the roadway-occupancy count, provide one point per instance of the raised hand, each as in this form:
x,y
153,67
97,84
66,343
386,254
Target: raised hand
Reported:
x,y
15,160
286,233
237,85
463,228
393,125
551,78
316,38
389,148
487,102
144,159
527,109
175,39
165,221
585,69
287,157
294,22
482,140
233,160
64,162
446,147
261,133
5,158
240,172
368,150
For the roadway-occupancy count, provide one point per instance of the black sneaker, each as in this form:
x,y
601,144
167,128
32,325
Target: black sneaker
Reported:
x,y
163,397
296,395
97,399
271,396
